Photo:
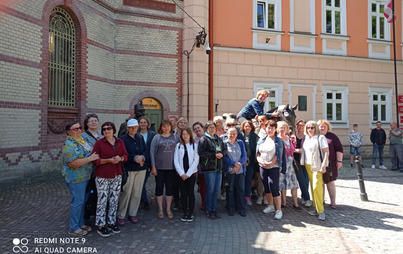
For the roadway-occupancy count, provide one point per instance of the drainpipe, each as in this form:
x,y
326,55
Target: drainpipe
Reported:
x,y
210,62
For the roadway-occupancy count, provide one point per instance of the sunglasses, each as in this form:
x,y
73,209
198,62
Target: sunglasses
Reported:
x,y
107,129
77,129
310,128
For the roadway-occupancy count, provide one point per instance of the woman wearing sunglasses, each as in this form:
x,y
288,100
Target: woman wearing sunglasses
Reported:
x,y
108,178
77,170
315,154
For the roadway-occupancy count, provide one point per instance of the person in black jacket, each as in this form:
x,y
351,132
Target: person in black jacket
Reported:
x,y
378,139
148,135
129,200
251,138
212,151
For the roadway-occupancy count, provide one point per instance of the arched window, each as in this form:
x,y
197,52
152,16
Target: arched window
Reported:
x,y
62,80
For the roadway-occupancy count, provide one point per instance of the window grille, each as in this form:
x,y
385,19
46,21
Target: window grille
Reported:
x,y
61,66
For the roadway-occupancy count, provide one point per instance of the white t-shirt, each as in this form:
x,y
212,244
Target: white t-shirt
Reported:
x,y
267,151
310,144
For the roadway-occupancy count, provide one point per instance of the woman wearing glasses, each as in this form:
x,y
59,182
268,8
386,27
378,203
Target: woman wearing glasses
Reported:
x,y
91,124
77,171
315,154
108,178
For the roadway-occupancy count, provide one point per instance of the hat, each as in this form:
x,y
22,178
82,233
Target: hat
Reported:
x,y
132,122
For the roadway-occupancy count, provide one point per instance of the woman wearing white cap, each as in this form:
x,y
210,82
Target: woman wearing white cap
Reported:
x,y
129,201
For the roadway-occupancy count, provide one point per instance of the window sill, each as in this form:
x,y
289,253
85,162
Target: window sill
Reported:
x,y
335,37
268,31
379,42
302,34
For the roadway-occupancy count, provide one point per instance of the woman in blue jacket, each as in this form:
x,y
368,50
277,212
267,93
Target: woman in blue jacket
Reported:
x,y
129,201
271,156
235,161
255,107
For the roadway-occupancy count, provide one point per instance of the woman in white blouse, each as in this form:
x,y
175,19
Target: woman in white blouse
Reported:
x,y
315,154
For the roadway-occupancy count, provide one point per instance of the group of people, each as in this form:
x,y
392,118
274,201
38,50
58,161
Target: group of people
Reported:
x,y
378,139
221,158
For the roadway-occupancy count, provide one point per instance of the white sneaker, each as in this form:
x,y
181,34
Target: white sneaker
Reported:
x,y
265,201
308,203
303,202
269,209
313,213
259,200
383,167
321,216
278,215
373,166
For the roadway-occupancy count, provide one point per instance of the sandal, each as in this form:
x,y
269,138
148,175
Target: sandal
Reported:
x,y
333,206
170,214
86,228
78,232
161,214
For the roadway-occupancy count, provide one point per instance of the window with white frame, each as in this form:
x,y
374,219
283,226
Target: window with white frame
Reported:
x,y
334,16
276,93
377,21
335,103
380,101
267,14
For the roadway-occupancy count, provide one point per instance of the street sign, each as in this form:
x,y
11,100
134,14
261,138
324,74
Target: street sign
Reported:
x,y
400,99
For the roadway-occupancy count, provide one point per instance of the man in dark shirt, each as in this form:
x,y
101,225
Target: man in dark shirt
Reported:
x,y
378,139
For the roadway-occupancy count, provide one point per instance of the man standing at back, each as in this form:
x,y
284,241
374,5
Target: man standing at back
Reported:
x,y
396,147
378,139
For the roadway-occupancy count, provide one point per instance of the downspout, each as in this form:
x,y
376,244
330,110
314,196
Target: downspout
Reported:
x,y
210,62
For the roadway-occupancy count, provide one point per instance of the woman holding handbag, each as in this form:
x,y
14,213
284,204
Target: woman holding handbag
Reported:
x,y
315,154
288,181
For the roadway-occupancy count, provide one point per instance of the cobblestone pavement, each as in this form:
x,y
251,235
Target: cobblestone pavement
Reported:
x,y
36,217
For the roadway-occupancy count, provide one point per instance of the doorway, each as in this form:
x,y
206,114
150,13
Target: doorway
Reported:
x,y
153,110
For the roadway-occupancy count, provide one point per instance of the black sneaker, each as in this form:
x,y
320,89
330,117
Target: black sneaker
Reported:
x,y
242,213
146,206
114,228
231,212
103,232
176,207
184,217
190,218
351,165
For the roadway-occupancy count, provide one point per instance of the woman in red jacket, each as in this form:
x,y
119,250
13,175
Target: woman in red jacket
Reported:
x,y
108,178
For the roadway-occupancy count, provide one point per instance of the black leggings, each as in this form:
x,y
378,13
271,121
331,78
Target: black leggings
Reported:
x,y
271,181
187,194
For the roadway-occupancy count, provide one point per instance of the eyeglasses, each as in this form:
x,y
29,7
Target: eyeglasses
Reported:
x,y
77,129
310,128
107,129
92,121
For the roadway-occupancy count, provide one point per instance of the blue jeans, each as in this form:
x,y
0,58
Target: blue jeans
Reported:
x,y
213,186
303,181
377,148
248,180
77,207
144,197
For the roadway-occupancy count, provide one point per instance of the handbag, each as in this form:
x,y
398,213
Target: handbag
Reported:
x,y
296,166
125,176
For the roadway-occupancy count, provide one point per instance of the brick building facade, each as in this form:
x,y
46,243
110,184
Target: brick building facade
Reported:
x,y
125,51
